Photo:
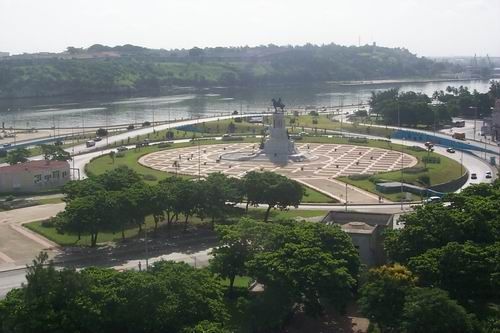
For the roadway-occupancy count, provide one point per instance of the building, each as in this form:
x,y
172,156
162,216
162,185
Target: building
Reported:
x,y
34,176
366,231
491,125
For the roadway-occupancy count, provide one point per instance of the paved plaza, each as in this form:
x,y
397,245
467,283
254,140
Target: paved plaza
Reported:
x,y
328,162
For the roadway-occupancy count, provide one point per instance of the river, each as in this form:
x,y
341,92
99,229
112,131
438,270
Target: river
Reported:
x,y
99,111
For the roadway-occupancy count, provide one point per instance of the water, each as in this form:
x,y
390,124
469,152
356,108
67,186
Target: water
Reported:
x,y
67,112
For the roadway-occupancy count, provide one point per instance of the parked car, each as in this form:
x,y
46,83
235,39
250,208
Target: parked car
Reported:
x,y
473,176
90,143
488,174
7,145
97,139
450,150
428,144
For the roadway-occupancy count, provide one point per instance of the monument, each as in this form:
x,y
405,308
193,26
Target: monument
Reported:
x,y
278,147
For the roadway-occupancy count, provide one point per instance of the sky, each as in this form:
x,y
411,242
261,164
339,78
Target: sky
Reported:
x,y
425,27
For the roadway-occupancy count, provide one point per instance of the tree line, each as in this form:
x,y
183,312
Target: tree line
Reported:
x,y
139,70
119,199
445,268
411,109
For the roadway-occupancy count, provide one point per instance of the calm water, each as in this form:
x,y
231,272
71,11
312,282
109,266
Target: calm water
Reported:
x,y
63,112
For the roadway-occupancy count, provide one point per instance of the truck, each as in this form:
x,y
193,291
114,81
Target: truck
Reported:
x,y
458,136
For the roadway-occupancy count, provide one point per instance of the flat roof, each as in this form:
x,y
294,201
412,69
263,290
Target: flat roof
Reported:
x,y
33,166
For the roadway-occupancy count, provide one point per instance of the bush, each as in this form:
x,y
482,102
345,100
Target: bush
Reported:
x,y
314,113
164,145
431,159
120,154
424,180
9,198
359,176
358,140
50,223
149,177
414,170
101,132
315,121
416,148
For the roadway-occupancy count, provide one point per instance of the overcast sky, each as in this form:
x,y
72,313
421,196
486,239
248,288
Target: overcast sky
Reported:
x,y
425,27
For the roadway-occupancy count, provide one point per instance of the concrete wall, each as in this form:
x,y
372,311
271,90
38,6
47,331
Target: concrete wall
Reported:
x,y
26,181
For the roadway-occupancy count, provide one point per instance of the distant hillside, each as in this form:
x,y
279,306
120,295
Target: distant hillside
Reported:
x,y
131,69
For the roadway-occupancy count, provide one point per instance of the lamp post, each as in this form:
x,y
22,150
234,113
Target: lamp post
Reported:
x,y
346,201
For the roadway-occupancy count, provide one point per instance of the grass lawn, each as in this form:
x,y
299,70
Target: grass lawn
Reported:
x,y
443,172
239,282
68,239
324,123
130,159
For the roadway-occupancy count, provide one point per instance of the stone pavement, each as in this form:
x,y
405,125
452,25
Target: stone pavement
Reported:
x,y
327,162
18,245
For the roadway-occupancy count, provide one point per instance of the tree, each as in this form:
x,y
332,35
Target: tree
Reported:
x,y
101,132
18,155
54,153
383,294
309,262
472,215
231,128
219,194
237,243
272,189
112,155
467,271
81,188
171,297
118,179
432,311
89,215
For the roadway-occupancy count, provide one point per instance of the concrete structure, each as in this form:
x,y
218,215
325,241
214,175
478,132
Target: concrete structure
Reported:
x,y
366,231
491,125
279,147
34,176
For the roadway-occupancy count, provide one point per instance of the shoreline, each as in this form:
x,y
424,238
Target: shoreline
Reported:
x,y
401,81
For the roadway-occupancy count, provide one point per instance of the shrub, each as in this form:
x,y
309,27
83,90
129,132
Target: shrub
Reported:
x,y
424,180
416,148
358,140
120,154
9,198
50,223
431,159
315,121
359,176
314,113
149,177
414,170
164,145
101,132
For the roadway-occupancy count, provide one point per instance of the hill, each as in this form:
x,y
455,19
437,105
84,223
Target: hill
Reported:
x,y
131,69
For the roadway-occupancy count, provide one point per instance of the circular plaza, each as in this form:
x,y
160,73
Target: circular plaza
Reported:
x,y
329,161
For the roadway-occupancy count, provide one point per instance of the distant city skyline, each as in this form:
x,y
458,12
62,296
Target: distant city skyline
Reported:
x,y
426,27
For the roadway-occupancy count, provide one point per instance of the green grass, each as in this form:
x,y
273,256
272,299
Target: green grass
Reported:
x,y
68,239
48,201
324,123
313,196
130,159
443,172
239,282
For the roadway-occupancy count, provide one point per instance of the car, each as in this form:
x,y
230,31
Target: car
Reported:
x,y
90,143
226,135
5,145
473,176
488,174
97,139
122,148
432,199
450,150
428,144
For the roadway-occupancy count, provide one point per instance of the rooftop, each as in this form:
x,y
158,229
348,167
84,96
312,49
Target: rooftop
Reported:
x,y
357,228
33,166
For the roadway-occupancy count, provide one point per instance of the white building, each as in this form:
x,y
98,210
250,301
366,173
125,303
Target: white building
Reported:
x,y
491,125
34,176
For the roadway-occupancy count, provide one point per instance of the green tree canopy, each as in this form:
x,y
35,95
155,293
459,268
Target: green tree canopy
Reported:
x,y
18,155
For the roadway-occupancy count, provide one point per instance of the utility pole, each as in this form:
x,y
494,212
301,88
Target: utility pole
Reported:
x,y
146,243
346,201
